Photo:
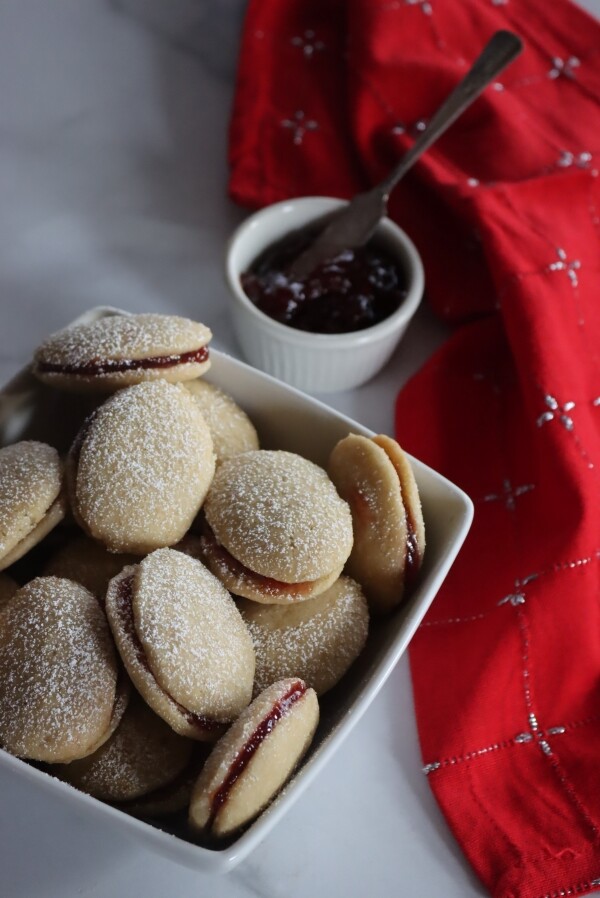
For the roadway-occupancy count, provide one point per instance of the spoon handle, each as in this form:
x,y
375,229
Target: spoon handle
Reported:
x,y
356,222
503,47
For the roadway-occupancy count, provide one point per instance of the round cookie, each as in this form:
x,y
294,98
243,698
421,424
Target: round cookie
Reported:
x,y
255,758
183,642
8,588
31,503
58,673
377,480
276,530
89,563
143,755
122,350
231,429
140,468
315,640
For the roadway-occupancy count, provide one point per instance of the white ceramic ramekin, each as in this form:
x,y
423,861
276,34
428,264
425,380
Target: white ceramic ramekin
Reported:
x,y
317,363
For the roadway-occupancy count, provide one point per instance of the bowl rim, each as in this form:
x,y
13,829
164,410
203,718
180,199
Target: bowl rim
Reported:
x,y
411,259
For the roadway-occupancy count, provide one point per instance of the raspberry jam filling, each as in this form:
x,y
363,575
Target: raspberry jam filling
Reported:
x,y
125,610
247,751
235,568
116,366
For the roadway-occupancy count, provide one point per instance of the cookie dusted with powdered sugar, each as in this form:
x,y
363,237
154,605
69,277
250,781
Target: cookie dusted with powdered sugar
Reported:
x,y
377,480
276,531
87,562
60,696
183,642
140,468
142,756
122,350
316,640
31,501
231,429
255,758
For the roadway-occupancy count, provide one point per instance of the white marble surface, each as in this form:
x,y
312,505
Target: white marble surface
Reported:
x,y
112,189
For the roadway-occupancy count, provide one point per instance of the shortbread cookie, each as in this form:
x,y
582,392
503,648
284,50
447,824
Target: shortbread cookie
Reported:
x,y
315,640
140,468
255,758
58,673
89,563
8,588
183,642
231,429
31,502
142,756
122,350
276,529
376,478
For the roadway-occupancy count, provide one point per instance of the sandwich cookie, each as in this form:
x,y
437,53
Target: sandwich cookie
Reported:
x,y
140,468
142,756
31,502
231,429
377,480
122,350
88,563
315,640
59,695
183,642
255,758
276,531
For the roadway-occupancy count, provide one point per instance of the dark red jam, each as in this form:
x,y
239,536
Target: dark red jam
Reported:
x,y
354,290
115,366
214,549
246,753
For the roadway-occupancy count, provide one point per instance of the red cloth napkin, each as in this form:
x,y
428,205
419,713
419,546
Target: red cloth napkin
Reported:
x,y
505,211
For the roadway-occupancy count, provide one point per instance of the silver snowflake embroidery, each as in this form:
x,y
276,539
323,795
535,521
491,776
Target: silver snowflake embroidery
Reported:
x,y
425,6
518,596
564,67
560,412
509,494
299,125
538,735
580,160
429,768
308,43
569,266
414,130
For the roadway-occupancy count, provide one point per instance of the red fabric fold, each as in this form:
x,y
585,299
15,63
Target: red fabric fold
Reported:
x,y
505,210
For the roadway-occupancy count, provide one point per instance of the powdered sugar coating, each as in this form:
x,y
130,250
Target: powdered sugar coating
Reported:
x,y
280,515
231,429
272,763
143,468
196,642
123,337
142,755
315,640
87,562
30,481
58,672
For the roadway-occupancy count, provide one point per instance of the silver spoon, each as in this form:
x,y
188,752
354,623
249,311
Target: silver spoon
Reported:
x,y
354,224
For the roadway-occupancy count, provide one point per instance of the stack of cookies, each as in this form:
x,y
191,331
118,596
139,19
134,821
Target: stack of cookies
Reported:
x,y
200,594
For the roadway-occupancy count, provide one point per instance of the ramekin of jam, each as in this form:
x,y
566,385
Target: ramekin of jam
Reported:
x,y
335,329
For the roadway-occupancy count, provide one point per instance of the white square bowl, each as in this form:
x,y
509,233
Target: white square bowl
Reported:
x,y
285,419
